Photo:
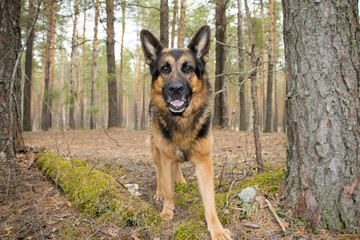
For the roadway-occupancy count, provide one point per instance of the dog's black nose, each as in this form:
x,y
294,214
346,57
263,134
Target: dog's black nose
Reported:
x,y
176,88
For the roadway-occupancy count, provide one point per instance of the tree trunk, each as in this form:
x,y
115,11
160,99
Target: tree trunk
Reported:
x,y
42,77
284,120
94,68
242,125
27,125
137,89
181,31
164,23
52,69
113,120
173,23
322,66
72,69
276,110
256,125
276,100
82,94
121,98
269,92
10,78
47,106
143,112
263,80
220,103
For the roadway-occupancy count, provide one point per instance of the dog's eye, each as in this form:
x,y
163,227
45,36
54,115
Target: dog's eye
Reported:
x,y
188,68
165,69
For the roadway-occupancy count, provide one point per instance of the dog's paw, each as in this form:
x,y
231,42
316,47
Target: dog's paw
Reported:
x,y
159,196
220,234
167,214
180,180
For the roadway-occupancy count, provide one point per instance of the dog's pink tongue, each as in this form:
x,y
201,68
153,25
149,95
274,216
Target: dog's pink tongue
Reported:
x,y
177,103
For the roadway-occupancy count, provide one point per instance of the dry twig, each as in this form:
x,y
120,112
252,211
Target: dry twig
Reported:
x,y
272,210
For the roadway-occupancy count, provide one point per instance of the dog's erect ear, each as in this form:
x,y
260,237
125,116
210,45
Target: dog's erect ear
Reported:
x,y
151,46
200,43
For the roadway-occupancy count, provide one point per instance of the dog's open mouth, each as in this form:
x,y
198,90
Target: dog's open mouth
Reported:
x,y
177,106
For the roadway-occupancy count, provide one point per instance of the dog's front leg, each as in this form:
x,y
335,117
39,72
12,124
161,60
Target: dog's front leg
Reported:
x,y
169,173
204,174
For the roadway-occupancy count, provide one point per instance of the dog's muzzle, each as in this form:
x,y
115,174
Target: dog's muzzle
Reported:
x,y
177,96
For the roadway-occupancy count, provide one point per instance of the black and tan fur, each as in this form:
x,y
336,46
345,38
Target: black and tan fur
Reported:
x,y
181,120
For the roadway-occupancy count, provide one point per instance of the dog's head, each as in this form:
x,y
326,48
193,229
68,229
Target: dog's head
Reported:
x,y
179,79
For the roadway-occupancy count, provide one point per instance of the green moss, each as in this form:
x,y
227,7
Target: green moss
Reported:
x,y
267,182
96,193
187,193
191,229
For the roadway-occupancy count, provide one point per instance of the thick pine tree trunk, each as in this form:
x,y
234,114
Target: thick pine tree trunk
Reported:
x,y
10,45
322,57
10,77
113,120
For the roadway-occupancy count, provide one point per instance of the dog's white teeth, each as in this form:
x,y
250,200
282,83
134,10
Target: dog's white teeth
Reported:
x,y
177,103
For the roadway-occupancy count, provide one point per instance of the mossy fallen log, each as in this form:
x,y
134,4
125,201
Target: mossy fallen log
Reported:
x,y
95,192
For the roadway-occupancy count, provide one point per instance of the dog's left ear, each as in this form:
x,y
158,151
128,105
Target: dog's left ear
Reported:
x,y
200,43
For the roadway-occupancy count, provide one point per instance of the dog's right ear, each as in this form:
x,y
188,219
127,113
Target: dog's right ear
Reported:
x,y
151,46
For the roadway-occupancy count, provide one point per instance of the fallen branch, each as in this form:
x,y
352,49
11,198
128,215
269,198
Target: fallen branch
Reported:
x,y
272,210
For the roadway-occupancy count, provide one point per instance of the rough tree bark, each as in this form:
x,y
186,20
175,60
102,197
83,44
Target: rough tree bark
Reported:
x,y
46,105
181,31
269,91
322,65
256,124
220,103
242,124
164,23
72,69
113,119
27,125
10,78
94,67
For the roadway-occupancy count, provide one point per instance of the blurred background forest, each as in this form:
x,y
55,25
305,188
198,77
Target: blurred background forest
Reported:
x,y
69,73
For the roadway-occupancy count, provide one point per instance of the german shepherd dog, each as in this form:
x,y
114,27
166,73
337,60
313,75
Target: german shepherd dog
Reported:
x,y
181,120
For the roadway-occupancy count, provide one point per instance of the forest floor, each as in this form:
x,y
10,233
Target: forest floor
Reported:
x,y
43,212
